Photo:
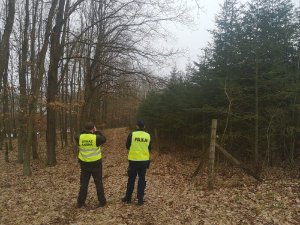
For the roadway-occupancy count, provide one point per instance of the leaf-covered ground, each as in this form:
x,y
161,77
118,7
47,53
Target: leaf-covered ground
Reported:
x,y
172,197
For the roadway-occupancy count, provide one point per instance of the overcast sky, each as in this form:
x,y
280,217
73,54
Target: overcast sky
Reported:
x,y
194,40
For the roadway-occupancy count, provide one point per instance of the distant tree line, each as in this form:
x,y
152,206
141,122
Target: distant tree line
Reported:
x,y
247,78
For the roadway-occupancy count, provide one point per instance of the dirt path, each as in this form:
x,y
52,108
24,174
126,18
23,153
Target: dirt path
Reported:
x,y
49,196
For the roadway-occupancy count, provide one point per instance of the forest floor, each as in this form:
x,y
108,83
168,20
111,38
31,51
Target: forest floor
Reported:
x,y
172,197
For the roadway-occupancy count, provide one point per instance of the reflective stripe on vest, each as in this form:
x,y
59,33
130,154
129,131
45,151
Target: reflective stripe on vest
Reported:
x,y
139,146
88,150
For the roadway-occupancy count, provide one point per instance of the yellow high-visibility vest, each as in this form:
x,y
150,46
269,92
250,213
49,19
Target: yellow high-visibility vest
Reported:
x,y
88,150
138,150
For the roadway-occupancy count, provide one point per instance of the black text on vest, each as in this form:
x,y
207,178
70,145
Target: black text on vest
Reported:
x,y
141,139
87,143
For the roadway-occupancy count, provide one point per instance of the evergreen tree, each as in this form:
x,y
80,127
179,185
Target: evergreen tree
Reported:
x,y
247,79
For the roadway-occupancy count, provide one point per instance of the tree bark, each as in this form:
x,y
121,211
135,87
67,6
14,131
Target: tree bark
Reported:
x,y
22,81
4,57
4,42
37,78
55,54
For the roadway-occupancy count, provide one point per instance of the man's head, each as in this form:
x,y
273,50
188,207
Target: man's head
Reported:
x,y
140,124
89,126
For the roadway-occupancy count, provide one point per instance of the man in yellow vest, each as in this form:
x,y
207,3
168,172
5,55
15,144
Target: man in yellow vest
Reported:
x,y
139,146
90,160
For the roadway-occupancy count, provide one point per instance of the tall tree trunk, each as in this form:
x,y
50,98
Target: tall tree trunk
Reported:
x,y
65,84
22,81
5,101
55,54
32,67
37,78
4,42
4,57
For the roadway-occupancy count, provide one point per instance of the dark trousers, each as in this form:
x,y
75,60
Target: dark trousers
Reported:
x,y
136,168
93,169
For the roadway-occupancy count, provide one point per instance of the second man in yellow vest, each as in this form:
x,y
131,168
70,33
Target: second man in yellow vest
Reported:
x,y
139,147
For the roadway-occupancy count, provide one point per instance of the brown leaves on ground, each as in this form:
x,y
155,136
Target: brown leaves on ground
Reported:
x,y
172,197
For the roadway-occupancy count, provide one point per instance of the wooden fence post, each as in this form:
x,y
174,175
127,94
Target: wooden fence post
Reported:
x,y
212,155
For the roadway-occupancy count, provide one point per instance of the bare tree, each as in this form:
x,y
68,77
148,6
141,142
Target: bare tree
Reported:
x,y
37,78
80,60
4,42
116,37
56,52
4,58
22,83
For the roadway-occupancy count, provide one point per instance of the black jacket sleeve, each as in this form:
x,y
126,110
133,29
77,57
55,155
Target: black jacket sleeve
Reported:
x,y
149,147
100,139
128,142
77,139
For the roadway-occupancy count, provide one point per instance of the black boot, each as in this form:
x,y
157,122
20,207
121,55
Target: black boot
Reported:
x,y
140,202
126,200
101,204
81,205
